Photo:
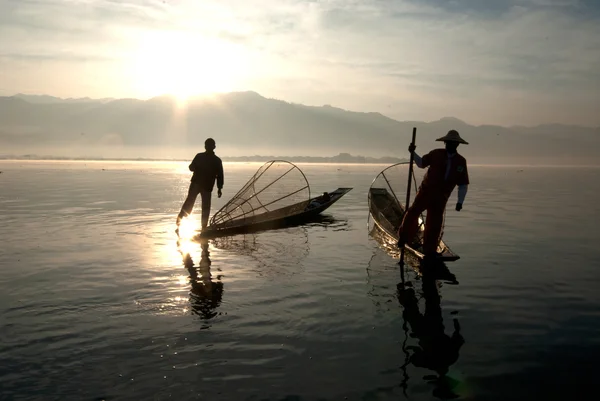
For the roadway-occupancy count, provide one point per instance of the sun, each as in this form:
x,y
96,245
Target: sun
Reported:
x,y
185,65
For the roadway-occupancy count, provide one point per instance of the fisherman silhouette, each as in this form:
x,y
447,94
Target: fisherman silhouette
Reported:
x,y
207,168
436,350
446,170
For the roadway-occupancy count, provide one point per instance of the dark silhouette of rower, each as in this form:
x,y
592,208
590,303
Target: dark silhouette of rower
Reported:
x,y
436,350
205,295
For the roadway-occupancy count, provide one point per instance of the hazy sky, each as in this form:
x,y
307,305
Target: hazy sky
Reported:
x,y
484,61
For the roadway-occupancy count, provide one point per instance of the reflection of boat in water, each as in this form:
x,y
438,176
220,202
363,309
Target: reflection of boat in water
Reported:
x,y
277,196
436,268
280,252
205,294
386,212
270,254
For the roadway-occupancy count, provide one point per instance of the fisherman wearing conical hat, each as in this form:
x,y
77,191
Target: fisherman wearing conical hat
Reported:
x,y
447,169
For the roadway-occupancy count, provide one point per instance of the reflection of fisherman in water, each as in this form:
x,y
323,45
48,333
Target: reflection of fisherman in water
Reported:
x,y
205,295
436,350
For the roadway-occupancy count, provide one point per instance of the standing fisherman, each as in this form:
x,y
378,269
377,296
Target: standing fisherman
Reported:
x,y
447,169
207,168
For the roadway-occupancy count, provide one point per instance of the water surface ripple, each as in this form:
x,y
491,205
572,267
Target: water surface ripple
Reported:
x,y
99,300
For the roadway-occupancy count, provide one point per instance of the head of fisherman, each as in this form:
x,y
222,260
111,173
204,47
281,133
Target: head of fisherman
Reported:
x,y
210,145
452,139
451,146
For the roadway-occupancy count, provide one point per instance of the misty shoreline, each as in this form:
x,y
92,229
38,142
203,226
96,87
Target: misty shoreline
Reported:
x,y
251,128
341,158
249,159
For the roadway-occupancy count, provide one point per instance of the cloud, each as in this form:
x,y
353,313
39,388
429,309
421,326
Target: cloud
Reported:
x,y
479,56
54,30
78,58
483,61
73,16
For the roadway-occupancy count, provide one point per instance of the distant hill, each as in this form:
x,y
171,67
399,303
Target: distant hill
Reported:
x,y
46,99
246,123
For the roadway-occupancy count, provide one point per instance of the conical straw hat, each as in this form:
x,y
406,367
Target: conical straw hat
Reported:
x,y
452,136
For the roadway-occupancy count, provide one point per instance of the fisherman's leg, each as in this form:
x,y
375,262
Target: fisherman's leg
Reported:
x,y
410,222
206,199
189,202
433,227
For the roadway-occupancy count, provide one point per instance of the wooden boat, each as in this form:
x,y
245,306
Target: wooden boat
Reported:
x,y
277,196
386,213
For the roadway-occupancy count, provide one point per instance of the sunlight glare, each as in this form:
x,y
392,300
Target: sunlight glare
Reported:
x,y
182,280
187,230
185,64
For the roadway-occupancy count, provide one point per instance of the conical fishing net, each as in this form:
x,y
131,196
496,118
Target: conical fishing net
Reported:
x,y
387,198
278,188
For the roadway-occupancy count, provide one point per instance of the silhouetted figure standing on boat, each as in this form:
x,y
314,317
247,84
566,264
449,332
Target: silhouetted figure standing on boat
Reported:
x,y
447,169
207,168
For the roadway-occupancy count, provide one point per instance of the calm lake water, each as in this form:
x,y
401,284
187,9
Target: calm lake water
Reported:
x,y
96,301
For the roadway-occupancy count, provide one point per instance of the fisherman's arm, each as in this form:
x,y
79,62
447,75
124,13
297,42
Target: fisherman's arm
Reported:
x,y
193,164
416,158
463,186
462,192
220,178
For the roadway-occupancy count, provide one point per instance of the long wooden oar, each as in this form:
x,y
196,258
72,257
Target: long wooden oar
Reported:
x,y
410,171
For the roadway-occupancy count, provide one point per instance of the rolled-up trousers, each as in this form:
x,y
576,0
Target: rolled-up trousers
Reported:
x,y
188,205
434,203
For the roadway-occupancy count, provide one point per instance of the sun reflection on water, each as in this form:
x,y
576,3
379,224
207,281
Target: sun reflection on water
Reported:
x,y
185,281
188,228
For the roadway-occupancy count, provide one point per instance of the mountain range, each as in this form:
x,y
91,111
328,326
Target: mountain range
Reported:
x,y
246,124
